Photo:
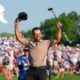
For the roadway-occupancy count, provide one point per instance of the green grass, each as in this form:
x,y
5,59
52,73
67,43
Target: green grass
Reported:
x,y
3,78
66,77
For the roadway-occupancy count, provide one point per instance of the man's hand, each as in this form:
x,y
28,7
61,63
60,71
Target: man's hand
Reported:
x,y
17,20
23,62
59,25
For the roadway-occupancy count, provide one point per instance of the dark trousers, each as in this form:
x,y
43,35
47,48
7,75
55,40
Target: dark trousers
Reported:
x,y
35,73
22,74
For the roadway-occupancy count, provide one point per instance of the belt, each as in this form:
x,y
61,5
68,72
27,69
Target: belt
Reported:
x,y
34,68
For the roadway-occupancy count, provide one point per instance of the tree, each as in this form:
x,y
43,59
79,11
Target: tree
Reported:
x,y
5,34
26,33
68,20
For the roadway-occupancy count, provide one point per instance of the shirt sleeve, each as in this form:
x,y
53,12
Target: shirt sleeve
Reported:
x,y
27,41
48,42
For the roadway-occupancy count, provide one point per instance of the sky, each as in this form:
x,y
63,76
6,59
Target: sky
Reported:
x,y
37,11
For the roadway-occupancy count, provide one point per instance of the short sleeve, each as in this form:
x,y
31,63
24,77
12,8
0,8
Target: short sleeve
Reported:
x,y
27,41
48,42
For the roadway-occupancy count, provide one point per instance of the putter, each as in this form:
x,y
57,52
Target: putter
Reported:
x,y
51,9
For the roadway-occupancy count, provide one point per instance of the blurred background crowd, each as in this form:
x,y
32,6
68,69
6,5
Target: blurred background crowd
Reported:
x,y
61,59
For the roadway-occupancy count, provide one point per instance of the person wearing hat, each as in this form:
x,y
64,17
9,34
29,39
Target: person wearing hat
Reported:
x,y
23,64
38,51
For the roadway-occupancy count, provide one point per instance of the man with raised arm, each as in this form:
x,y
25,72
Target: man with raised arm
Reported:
x,y
38,51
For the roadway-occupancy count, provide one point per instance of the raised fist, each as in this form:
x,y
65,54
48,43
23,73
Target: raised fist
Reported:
x,y
59,25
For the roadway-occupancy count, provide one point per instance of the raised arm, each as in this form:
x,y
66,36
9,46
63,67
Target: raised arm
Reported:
x,y
57,40
18,34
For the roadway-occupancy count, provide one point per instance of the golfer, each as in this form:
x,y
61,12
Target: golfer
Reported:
x,y
38,51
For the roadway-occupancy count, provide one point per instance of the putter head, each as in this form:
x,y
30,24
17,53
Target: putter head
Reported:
x,y
50,9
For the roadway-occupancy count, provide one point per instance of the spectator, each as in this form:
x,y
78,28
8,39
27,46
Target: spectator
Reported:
x,y
23,64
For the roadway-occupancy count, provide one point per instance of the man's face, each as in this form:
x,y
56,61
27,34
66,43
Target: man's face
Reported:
x,y
37,35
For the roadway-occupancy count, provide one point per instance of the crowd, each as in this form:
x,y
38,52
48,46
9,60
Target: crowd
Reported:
x,y
12,54
64,59
61,59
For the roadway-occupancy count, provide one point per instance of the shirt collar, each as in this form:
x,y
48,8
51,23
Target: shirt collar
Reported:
x,y
39,40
